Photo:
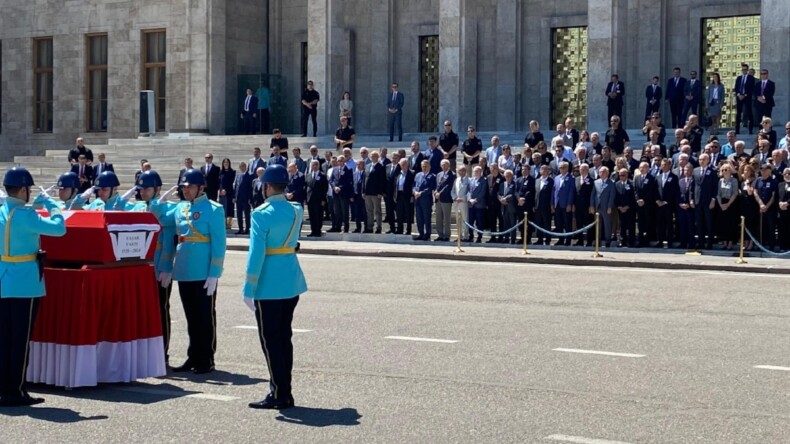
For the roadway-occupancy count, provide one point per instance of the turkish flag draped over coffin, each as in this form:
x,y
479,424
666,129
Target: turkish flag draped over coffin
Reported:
x,y
100,319
103,237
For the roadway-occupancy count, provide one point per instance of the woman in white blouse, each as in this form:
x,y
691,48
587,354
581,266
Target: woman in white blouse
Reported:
x,y
346,106
505,160
715,100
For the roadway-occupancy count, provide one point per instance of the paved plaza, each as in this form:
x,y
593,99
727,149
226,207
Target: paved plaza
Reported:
x,y
424,350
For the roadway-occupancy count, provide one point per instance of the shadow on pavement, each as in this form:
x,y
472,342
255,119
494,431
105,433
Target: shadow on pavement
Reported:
x,y
318,417
50,414
217,377
130,393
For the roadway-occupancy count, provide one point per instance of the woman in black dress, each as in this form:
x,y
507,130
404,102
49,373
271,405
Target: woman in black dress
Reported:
x,y
227,175
749,208
726,198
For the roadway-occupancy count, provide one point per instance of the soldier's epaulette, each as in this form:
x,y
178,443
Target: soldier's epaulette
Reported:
x,y
216,205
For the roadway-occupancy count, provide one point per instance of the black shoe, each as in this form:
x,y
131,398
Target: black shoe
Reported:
x,y
240,232
202,370
608,245
332,230
408,233
304,135
468,239
438,239
389,232
269,403
369,231
378,231
185,367
357,231
579,243
589,244
479,240
311,235
20,401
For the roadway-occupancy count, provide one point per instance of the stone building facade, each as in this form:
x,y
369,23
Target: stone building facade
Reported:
x,y
496,64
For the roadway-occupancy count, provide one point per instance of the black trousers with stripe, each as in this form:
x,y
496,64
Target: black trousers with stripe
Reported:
x,y
17,316
164,310
200,311
274,317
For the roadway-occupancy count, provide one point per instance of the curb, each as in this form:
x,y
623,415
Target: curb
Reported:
x,y
472,257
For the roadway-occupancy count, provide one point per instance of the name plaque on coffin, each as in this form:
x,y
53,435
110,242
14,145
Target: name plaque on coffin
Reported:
x,y
102,237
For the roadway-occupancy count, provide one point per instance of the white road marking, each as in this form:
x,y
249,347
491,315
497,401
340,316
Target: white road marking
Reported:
x,y
255,327
597,352
582,440
177,394
772,367
409,338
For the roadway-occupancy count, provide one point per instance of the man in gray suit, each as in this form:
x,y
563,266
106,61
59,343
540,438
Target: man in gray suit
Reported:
x,y
602,202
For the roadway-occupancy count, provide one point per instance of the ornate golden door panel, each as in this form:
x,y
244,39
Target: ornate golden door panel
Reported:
x,y
429,83
569,75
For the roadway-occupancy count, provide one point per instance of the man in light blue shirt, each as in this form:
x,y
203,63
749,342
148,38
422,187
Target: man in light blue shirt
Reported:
x,y
729,147
494,151
264,103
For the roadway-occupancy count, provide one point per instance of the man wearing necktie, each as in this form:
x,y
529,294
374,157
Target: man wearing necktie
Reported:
x,y
102,166
674,95
84,172
395,112
764,104
357,201
315,190
693,95
653,95
744,88
249,112
424,186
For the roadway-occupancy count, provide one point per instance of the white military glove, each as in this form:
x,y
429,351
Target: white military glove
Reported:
x,y
128,195
87,194
168,194
164,279
45,193
3,195
250,304
210,286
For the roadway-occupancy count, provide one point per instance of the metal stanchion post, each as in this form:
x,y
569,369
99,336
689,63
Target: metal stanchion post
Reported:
x,y
459,229
526,224
597,253
743,229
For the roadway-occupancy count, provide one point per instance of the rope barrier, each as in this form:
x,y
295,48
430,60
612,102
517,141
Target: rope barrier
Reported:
x,y
492,233
573,233
765,250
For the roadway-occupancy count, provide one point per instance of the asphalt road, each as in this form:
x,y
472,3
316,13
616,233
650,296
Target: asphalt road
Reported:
x,y
511,361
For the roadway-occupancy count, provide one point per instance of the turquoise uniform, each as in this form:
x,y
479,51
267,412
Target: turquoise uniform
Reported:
x,y
200,227
75,203
22,227
165,245
115,203
273,270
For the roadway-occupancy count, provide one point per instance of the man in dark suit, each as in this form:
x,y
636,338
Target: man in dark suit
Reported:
x,y
294,191
357,200
249,112
584,189
764,92
562,201
415,158
102,166
615,91
525,195
692,95
342,184
667,193
315,194
624,202
544,192
508,200
602,203
256,162
706,184
744,88
277,158
646,193
78,149
676,85
309,106
391,172
395,112
685,212
257,189
404,185
211,172
653,96
84,172
424,186
444,201
477,196
242,197
495,221
374,187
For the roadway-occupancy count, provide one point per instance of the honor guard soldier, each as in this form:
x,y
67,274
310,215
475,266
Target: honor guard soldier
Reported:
x,y
21,280
149,184
200,226
106,192
274,281
67,186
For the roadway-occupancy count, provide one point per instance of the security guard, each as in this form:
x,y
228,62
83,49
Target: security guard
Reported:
x,y
149,184
200,226
107,193
21,280
68,184
274,281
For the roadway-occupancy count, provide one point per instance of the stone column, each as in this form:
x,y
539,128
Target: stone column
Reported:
x,y
507,61
646,51
325,58
449,60
603,52
380,68
775,54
